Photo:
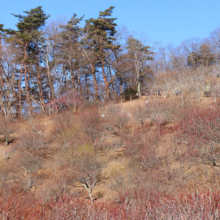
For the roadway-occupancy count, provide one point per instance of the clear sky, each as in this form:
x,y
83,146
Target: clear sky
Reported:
x,y
164,21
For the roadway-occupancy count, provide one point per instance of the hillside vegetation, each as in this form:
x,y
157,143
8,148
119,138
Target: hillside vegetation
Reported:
x,y
150,156
97,124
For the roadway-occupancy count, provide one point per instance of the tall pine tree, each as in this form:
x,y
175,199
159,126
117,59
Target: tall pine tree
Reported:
x,y
28,30
102,31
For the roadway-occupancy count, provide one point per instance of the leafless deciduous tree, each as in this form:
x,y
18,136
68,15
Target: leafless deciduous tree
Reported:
x,y
84,168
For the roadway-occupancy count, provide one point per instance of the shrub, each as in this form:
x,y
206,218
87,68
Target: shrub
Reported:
x,y
84,168
89,104
131,205
200,131
116,116
67,101
145,161
90,121
7,127
130,93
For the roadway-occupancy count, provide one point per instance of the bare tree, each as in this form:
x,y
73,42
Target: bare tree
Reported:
x,y
8,100
84,168
49,55
139,55
29,163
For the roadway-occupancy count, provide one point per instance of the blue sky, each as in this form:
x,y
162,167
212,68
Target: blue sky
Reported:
x,y
164,21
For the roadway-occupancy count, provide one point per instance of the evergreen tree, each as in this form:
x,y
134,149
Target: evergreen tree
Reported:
x,y
102,31
28,30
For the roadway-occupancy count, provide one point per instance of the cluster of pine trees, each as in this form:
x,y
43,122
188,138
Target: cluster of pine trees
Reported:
x,y
48,66
40,64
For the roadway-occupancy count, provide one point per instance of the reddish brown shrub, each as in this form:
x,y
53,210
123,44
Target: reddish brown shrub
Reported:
x,y
200,132
90,120
68,132
133,205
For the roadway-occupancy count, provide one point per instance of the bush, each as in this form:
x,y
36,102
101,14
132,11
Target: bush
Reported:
x,y
68,132
199,135
7,127
130,93
131,205
89,104
90,121
116,116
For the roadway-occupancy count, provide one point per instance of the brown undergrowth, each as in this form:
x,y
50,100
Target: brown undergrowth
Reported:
x,y
100,152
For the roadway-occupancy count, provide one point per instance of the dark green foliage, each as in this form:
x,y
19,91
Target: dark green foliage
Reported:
x,y
28,32
101,33
27,38
60,58
103,26
72,31
204,57
102,30
1,27
28,25
193,59
130,93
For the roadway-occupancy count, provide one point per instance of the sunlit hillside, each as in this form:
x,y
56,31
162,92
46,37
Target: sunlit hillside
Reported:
x,y
96,124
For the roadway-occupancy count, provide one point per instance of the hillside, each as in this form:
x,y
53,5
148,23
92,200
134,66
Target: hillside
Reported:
x,y
104,154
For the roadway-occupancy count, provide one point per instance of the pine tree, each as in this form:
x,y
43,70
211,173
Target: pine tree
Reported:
x,y
28,30
102,31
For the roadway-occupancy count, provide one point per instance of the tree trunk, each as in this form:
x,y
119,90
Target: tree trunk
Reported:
x,y
111,82
90,196
103,73
19,96
92,66
39,81
26,81
73,79
80,86
95,85
1,74
89,191
50,83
